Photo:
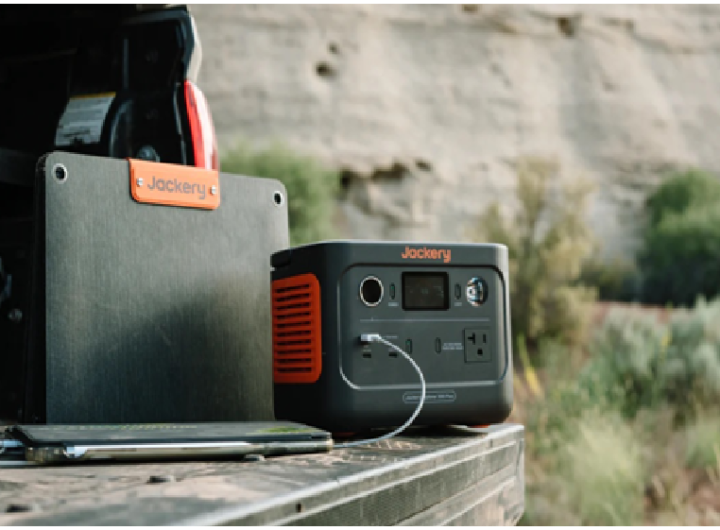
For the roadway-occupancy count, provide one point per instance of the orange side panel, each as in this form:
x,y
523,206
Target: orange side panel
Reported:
x,y
174,185
297,346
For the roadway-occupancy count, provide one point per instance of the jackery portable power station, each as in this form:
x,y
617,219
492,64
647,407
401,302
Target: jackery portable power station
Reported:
x,y
446,305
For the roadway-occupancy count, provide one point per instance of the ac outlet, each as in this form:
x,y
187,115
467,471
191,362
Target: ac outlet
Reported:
x,y
479,345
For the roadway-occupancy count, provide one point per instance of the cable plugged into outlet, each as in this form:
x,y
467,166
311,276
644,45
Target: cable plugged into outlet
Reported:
x,y
368,338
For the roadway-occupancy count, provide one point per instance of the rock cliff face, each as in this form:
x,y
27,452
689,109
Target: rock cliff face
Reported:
x,y
426,109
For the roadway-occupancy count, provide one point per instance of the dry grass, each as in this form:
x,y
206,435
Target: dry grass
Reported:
x,y
603,469
703,443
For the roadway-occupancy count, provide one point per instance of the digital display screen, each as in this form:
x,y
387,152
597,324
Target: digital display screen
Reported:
x,y
425,290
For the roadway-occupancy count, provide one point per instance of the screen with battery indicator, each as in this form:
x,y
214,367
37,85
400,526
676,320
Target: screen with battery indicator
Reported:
x,y
425,291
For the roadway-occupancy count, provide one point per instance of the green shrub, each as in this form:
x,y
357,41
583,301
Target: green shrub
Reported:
x,y
617,280
548,240
691,371
682,192
639,363
680,258
624,368
311,187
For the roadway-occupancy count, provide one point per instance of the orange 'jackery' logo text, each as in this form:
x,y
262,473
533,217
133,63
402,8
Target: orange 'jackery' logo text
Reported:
x,y
178,186
427,253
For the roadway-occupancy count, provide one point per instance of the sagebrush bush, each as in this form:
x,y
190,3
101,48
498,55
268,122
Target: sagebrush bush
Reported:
x,y
640,363
680,257
624,368
691,372
311,187
548,240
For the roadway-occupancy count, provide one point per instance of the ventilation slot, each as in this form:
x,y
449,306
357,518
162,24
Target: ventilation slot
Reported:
x,y
297,356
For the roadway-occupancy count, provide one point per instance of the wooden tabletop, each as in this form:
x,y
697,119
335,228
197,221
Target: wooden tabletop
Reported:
x,y
448,476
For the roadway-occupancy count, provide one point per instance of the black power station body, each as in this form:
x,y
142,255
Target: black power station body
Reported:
x,y
447,305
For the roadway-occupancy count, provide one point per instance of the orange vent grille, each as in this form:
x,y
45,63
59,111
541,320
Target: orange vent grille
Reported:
x,y
297,351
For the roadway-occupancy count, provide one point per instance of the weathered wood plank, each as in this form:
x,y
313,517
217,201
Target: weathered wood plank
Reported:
x,y
451,476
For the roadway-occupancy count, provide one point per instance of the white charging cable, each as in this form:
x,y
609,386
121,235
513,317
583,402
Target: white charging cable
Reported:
x,y
368,338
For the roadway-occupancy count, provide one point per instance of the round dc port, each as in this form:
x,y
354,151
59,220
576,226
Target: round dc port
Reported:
x,y
371,291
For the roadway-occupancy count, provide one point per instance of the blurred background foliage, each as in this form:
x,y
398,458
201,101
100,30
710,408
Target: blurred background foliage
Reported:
x,y
617,279
633,436
620,400
312,187
680,258
547,241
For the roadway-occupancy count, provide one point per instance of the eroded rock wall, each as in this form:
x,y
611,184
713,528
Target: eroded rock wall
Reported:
x,y
426,109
